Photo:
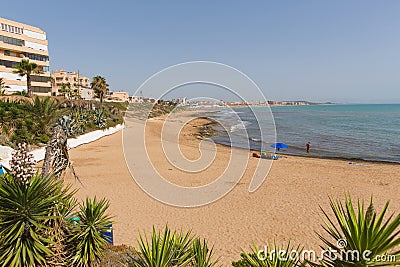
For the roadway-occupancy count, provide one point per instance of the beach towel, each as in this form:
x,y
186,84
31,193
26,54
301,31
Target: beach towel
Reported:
x,y
270,156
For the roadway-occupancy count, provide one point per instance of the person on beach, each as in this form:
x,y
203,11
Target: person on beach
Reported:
x,y
308,147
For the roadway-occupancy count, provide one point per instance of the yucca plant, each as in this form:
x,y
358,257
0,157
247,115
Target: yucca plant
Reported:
x,y
60,227
183,247
87,240
164,250
202,255
354,232
271,256
26,210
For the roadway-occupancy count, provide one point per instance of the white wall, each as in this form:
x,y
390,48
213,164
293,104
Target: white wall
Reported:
x,y
87,94
36,46
35,35
12,76
38,154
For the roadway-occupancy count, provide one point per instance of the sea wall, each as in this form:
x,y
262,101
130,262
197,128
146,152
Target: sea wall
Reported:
x,y
38,154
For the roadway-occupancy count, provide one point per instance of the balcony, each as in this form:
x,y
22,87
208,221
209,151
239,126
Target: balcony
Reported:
x,y
41,84
18,59
23,49
24,37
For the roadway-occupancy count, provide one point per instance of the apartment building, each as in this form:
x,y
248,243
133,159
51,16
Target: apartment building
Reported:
x,y
72,80
21,41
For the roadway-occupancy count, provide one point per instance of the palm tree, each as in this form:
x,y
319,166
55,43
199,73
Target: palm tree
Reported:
x,y
99,85
44,113
65,89
27,68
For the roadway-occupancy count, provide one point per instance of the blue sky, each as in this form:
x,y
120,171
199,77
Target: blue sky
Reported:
x,y
343,51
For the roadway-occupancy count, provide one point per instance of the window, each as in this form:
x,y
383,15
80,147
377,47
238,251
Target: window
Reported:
x,y
10,40
8,64
42,79
7,52
37,57
41,89
12,29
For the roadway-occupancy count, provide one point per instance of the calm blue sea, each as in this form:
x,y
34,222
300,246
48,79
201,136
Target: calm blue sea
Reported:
x,y
369,132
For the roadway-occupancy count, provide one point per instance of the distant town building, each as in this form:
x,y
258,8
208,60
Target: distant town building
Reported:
x,y
72,80
149,100
180,101
136,99
21,41
119,96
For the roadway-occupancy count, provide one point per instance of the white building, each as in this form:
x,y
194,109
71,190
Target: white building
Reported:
x,y
21,41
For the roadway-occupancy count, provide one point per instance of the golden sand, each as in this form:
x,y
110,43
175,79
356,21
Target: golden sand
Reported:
x,y
285,207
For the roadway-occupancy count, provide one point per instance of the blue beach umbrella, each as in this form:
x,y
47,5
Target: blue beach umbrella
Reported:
x,y
279,145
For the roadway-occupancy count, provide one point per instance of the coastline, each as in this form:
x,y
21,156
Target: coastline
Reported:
x,y
285,207
311,155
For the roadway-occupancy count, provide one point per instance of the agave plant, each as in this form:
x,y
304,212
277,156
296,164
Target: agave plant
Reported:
x,y
99,118
360,232
271,256
87,241
202,255
81,118
69,125
164,250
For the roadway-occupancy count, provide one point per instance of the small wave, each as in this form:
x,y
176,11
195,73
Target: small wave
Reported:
x,y
240,126
255,139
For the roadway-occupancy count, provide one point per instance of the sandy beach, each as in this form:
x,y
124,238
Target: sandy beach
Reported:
x,y
285,207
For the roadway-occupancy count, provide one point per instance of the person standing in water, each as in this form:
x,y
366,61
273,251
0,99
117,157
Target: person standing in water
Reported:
x,y
308,147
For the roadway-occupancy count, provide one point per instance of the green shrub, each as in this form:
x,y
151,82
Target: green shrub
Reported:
x,y
43,138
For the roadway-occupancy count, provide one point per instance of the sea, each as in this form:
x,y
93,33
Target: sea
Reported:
x,y
356,132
